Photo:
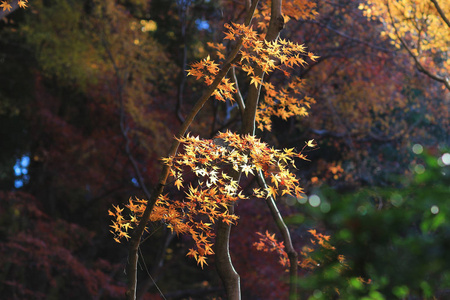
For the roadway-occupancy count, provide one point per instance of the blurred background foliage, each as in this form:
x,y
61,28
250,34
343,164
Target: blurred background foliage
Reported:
x,y
394,239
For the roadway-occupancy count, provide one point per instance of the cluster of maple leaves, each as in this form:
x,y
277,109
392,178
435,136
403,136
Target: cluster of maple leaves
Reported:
x,y
215,163
268,243
7,5
279,55
213,167
206,199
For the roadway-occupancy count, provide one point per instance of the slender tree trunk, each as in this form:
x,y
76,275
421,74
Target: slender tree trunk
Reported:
x,y
227,273
230,278
137,234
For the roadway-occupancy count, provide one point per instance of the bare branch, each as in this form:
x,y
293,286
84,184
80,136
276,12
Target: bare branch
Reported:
x,y
292,254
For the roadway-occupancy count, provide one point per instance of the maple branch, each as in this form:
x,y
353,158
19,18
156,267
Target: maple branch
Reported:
x,y
420,67
441,12
239,99
224,265
276,24
137,234
292,254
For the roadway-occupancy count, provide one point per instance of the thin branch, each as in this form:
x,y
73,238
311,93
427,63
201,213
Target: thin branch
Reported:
x,y
149,275
239,99
292,254
124,130
441,12
151,280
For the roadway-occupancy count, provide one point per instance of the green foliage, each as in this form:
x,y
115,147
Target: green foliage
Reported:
x,y
396,238
63,45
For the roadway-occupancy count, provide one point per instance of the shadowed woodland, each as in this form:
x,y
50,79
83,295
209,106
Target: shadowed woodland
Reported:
x,y
197,149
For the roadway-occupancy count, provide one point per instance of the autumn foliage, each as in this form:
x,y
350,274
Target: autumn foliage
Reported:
x,y
207,202
300,146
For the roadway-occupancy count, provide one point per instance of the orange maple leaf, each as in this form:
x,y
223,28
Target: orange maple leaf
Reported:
x,y
6,6
202,260
271,191
22,3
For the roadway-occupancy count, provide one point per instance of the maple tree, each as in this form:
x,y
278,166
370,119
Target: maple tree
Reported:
x,y
266,47
92,92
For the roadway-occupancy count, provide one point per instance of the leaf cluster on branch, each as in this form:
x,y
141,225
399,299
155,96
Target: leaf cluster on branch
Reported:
x,y
207,199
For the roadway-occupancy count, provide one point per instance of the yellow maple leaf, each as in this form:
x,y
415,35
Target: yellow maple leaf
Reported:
x,y
255,80
310,143
178,183
271,191
312,56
